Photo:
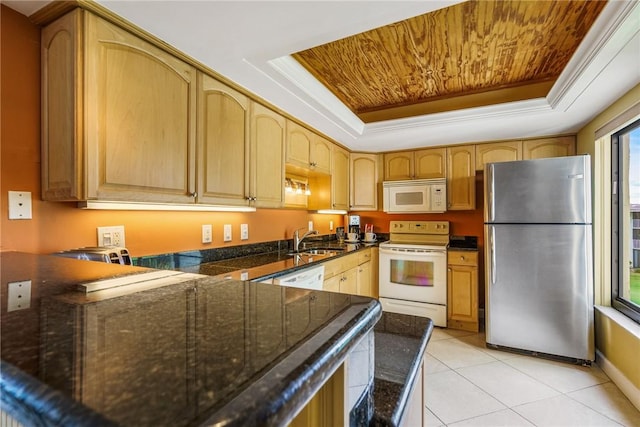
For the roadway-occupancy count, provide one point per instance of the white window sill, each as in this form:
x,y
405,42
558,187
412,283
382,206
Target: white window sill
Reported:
x,y
627,324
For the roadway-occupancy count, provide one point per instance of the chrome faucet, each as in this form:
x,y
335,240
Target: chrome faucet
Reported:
x,y
297,239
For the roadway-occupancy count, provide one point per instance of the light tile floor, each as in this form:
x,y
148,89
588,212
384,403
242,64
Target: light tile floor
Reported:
x,y
471,385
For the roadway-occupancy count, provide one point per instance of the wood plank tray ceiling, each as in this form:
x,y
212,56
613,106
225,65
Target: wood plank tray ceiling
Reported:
x,y
472,54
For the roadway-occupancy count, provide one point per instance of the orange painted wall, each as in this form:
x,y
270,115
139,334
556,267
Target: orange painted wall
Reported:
x,y
59,226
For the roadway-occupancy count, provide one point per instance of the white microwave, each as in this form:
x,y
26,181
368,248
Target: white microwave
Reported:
x,y
415,196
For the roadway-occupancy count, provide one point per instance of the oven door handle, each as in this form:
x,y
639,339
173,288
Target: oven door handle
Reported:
x,y
412,251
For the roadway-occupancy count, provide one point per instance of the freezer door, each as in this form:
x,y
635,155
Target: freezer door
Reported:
x,y
555,190
539,288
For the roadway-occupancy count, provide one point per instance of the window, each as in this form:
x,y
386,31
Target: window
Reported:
x,y
625,220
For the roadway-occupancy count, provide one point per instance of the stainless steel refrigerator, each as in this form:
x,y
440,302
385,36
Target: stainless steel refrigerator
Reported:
x,y
538,257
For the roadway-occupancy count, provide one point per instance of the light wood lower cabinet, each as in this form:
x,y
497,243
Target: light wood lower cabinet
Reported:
x,y
462,286
352,274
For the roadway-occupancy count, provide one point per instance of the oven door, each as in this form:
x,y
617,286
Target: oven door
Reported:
x,y
414,274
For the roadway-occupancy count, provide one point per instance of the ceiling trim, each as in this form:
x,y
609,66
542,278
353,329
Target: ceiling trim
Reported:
x,y
617,25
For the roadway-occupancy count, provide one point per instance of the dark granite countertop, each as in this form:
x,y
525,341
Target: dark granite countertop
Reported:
x,y
400,344
266,265
203,351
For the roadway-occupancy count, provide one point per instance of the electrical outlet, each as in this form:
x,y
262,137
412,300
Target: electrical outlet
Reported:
x,y
244,231
111,236
19,205
19,295
207,233
227,232
330,225
310,225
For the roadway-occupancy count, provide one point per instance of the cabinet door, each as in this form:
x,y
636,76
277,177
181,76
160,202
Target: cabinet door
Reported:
x,y
430,163
298,145
140,118
332,284
461,174
363,182
497,152
340,178
549,147
223,144
463,294
349,282
320,154
364,285
398,166
62,162
267,157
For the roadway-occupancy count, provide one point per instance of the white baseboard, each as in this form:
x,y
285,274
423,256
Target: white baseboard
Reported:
x,y
626,387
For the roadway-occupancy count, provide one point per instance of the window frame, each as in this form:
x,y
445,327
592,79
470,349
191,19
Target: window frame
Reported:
x,y
619,191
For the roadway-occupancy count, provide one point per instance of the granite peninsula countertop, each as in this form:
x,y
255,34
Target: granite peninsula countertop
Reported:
x,y
201,351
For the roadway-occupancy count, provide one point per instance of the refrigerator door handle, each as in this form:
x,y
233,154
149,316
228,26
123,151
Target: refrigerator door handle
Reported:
x,y
492,255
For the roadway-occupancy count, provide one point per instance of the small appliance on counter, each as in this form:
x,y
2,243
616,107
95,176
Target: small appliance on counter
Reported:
x,y
352,223
108,254
463,242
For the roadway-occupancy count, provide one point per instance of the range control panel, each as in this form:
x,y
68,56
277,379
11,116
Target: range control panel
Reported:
x,y
419,227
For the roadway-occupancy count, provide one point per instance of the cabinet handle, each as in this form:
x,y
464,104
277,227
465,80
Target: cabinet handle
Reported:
x,y
194,194
462,258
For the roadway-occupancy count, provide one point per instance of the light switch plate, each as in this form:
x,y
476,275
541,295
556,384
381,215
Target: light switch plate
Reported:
x,y
19,205
244,231
310,225
19,295
227,232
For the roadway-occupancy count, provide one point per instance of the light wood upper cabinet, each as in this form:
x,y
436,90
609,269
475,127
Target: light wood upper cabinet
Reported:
x,y
462,283
223,144
461,174
128,134
430,163
549,147
320,152
339,178
363,181
298,145
398,166
307,150
497,152
419,164
268,130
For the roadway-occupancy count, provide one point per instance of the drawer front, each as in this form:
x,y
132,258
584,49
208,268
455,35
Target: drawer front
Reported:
x,y
332,267
364,256
462,258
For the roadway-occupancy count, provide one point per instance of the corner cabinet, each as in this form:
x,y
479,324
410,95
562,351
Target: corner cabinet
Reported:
x,y
118,115
462,286
363,181
461,177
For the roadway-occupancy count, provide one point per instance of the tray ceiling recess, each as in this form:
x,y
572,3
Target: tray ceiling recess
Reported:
x,y
472,54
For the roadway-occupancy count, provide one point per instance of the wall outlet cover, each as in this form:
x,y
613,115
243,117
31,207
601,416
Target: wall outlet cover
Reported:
x,y
111,236
227,233
207,233
19,295
244,231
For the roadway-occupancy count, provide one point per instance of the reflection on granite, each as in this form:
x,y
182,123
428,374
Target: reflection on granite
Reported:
x,y
401,341
204,351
